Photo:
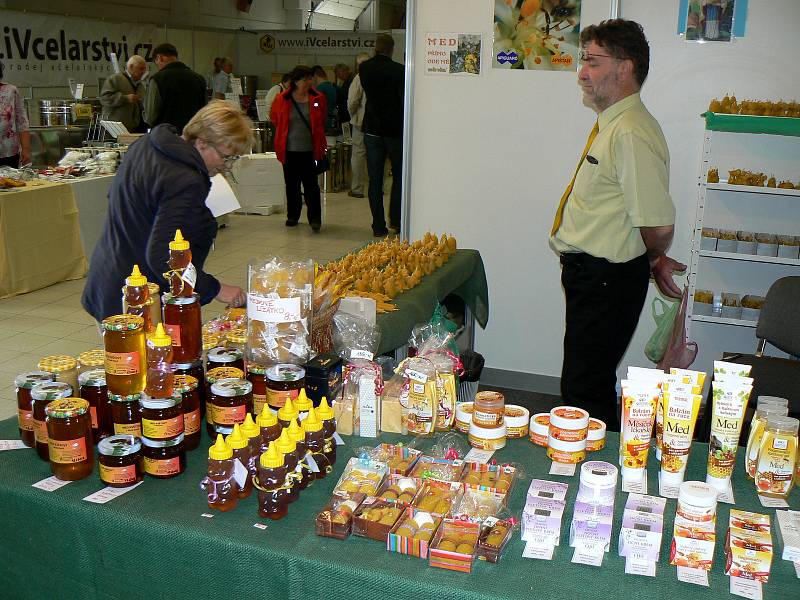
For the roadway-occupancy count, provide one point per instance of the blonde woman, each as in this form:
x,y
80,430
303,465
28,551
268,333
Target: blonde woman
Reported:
x,y
161,186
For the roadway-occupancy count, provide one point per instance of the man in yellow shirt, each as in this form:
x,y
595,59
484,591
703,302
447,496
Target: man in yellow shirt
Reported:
x,y
615,221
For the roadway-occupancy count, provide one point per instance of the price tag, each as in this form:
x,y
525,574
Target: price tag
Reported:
x,y
207,515
772,502
693,576
538,551
270,343
746,588
476,455
261,526
637,486
239,473
189,274
297,349
338,439
588,556
365,354
109,493
727,496
11,445
797,569
567,470
647,568
50,484
312,463
416,375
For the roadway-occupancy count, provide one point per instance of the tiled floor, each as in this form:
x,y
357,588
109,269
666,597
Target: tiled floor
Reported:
x,y
51,320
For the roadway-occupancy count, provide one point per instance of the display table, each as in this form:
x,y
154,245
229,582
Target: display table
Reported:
x,y
154,542
91,198
41,239
463,275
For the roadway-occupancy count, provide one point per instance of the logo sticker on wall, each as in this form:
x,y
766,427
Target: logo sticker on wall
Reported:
x,y
266,43
507,57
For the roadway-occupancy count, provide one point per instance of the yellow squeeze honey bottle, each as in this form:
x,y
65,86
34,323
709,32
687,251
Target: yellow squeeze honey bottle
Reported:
x,y
253,434
273,484
325,414
315,443
159,378
288,448
182,275
239,444
298,436
219,482
270,428
135,296
287,413
302,403
777,457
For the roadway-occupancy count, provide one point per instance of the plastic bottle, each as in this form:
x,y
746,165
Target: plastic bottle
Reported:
x,y
218,482
239,444
302,403
325,414
286,446
287,413
273,484
135,297
269,426
298,436
182,274
777,457
315,443
253,434
159,379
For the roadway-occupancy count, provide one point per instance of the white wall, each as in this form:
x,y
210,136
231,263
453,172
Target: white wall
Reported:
x,y
492,154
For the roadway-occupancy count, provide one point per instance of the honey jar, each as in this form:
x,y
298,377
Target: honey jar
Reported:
x,y
284,381
195,369
231,400
236,338
257,375
41,395
69,438
225,357
63,367
126,414
162,418
92,388
90,360
120,460
124,342
210,341
488,409
182,321
211,377
187,387
23,384
164,458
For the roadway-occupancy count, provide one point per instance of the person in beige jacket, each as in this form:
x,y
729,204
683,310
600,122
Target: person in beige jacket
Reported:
x,y
356,102
122,95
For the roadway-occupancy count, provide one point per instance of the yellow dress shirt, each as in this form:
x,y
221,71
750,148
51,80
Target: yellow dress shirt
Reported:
x,y
622,185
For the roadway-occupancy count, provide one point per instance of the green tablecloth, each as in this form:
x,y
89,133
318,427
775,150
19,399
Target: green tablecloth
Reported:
x,y
463,275
153,543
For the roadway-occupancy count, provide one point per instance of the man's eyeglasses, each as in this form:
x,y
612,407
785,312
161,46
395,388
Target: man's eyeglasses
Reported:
x,y
583,56
227,159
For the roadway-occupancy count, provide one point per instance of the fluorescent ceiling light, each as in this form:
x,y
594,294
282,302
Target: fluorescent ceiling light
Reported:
x,y
345,9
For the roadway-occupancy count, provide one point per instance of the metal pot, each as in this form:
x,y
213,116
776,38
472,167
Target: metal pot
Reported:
x,y
263,136
53,111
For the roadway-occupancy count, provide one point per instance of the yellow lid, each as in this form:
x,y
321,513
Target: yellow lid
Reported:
x,y
237,440
312,422
236,336
249,428
324,411
159,339
302,404
285,443
92,358
136,279
57,363
295,431
220,450
287,412
271,458
210,340
179,243
266,418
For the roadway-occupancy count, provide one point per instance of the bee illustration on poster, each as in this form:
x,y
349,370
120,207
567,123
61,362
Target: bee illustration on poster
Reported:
x,y
712,20
452,53
536,34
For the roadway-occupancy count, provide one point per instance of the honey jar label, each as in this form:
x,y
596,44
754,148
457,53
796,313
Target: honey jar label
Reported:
x,y
174,331
67,452
191,422
277,398
209,412
128,429
122,363
40,431
117,474
25,418
93,413
259,400
162,429
166,466
229,415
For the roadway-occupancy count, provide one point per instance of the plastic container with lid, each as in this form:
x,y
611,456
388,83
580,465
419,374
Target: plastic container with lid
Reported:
x,y
219,482
598,482
119,459
568,424
303,404
298,435
135,294
596,437
123,340
315,443
182,275
488,409
23,383
697,502
516,419
325,414
539,428
41,395
62,366
162,418
777,457
487,438
159,378
273,484
239,443
287,413
231,400
464,416
224,357
93,389
772,400
91,360
284,381
154,303
183,323
126,414
566,452
270,429
287,446
164,458
757,428
188,388
69,438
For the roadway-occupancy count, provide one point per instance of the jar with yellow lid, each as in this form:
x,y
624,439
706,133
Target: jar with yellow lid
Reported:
x,y
62,366
42,395
91,359
187,386
69,438
236,338
210,340
23,383
124,344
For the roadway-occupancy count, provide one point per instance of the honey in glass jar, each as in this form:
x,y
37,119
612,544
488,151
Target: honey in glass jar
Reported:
x,y
123,339
224,357
42,395
187,387
64,367
164,458
284,381
126,414
90,360
236,338
211,377
120,460
182,321
69,438
195,369
231,400
162,418
93,389
23,384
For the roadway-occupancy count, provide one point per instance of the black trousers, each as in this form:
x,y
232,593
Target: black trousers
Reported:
x,y
604,301
378,149
298,169
10,161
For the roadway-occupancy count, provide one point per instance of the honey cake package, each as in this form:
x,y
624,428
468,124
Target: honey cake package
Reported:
x,y
748,546
454,545
413,532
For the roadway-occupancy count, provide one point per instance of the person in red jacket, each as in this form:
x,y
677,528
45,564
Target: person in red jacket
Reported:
x,y
299,117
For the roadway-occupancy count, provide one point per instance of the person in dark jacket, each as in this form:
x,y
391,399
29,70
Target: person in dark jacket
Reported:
x,y
175,93
299,117
383,81
161,186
